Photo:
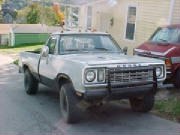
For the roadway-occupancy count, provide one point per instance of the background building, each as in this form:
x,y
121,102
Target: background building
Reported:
x,y
18,34
131,22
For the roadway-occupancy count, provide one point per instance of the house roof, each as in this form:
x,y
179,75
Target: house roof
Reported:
x,y
4,29
34,28
27,28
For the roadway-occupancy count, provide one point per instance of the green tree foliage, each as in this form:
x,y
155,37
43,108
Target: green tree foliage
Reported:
x,y
2,1
36,13
49,16
1,17
33,16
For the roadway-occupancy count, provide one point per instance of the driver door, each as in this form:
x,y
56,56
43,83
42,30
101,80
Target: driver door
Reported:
x,y
47,69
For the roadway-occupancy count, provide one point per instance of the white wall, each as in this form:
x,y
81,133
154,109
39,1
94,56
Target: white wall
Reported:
x,y
150,14
4,39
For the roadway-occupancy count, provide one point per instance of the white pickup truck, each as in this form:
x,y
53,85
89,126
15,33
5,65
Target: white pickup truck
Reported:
x,y
91,67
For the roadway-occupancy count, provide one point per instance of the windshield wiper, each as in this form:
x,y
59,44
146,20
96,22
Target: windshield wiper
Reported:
x,y
101,49
163,40
71,50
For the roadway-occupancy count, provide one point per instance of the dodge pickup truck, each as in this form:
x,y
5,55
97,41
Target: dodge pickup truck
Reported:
x,y
90,68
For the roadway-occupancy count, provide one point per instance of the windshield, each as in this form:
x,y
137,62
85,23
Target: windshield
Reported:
x,y
87,43
166,35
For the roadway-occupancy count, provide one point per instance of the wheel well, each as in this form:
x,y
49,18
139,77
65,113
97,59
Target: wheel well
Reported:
x,y
62,79
25,67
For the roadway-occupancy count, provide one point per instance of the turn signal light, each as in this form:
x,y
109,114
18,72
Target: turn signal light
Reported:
x,y
168,63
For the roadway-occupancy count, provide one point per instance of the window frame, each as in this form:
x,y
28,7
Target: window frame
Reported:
x,y
56,45
125,28
60,37
88,16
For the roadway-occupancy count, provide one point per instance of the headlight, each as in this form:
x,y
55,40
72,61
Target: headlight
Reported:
x,y
94,76
158,71
90,76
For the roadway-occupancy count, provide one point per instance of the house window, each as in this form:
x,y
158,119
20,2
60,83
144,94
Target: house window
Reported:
x,y
89,17
73,17
131,22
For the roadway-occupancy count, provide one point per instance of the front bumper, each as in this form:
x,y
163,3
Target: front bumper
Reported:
x,y
123,90
120,93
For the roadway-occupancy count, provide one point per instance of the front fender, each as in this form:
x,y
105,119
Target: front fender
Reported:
x,y
72,71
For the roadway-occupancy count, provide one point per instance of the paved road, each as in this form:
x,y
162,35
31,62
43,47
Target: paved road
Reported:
x,y
21,114
5,60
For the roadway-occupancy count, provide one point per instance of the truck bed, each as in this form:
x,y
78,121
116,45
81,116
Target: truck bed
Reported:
x,y
30,58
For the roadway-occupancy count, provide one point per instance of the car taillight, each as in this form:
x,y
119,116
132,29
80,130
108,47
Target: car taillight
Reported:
x,y
168,63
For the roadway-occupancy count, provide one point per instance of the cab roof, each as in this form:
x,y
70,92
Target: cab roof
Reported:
x,y
75,32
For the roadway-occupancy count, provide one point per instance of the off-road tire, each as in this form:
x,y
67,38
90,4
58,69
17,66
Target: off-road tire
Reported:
x,y
176,81
30,83
69,101
142,104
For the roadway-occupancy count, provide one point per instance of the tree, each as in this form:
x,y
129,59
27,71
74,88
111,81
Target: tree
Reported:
x,y
1,2
49,17
33,16
36,13
59,13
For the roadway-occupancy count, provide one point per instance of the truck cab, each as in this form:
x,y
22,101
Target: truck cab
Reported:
x,y
164,44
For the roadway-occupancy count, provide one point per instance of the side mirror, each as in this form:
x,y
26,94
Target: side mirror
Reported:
x,y
125,49
44,51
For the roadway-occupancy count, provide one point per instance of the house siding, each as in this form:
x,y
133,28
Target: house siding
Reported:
x,y
30,38
176,13
150,14
4,39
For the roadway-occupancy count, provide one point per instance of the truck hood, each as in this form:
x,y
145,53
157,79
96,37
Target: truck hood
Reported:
x,y
109,58
156,48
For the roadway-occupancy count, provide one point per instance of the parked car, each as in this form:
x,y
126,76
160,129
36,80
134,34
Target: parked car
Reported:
x,y
164,44
88,68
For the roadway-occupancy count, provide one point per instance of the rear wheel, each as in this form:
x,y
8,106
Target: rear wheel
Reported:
x,y
69,104
142,104
176,81
30,83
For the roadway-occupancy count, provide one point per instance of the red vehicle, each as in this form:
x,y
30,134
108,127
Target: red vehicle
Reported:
x,y
164,44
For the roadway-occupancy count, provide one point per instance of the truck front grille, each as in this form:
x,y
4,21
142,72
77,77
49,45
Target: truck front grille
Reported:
x,y
129,75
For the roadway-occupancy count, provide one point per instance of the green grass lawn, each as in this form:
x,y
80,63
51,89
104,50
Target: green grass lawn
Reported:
x,y
14,51
19,48
170,106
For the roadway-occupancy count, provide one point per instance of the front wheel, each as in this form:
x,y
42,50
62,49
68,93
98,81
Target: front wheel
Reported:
x,y
69,104
142,104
